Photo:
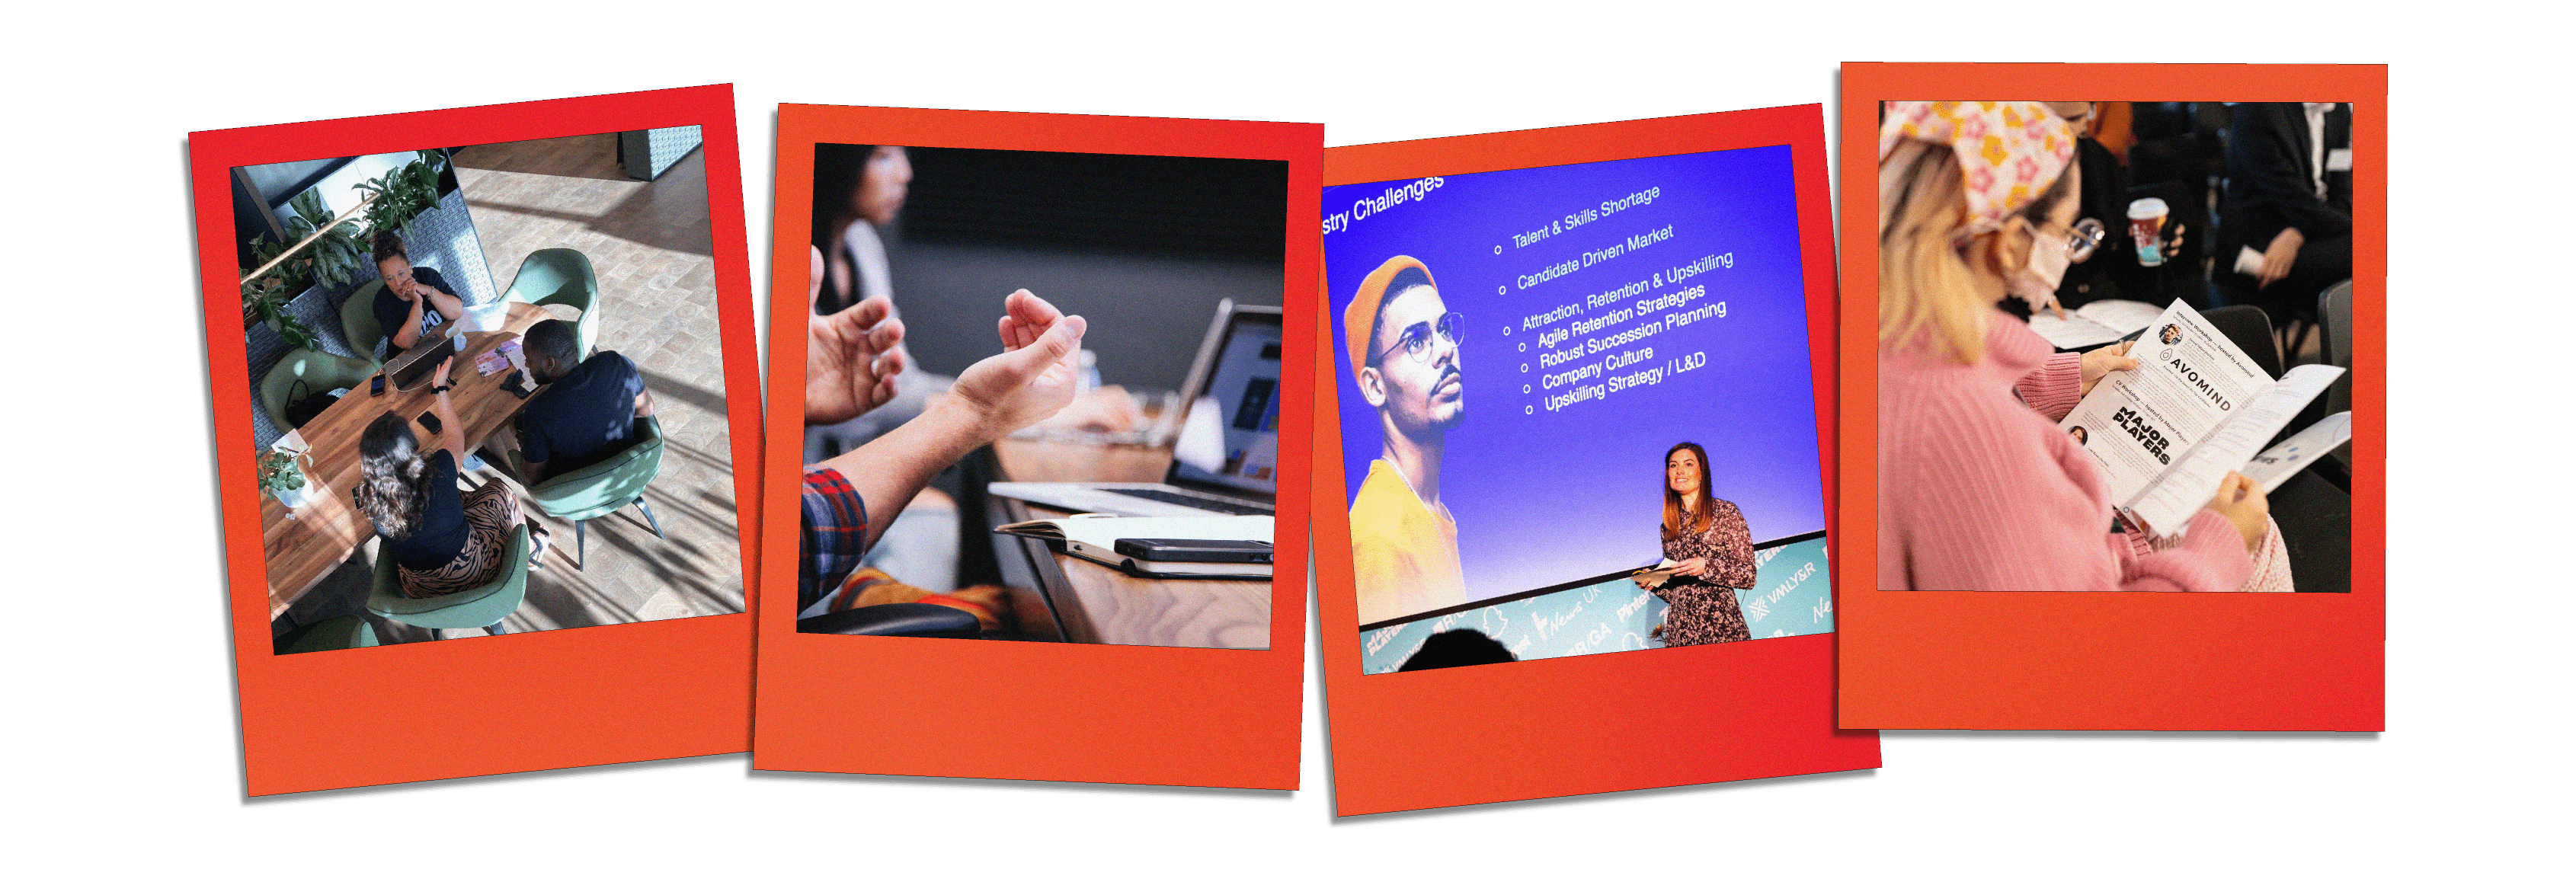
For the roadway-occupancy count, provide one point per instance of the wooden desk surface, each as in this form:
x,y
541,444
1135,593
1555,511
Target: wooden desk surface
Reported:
x,y
1102,605
302,548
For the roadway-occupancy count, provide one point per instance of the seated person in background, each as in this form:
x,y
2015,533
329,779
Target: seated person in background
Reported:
x,y
414,300
2288,202
588,410
850,364
859,190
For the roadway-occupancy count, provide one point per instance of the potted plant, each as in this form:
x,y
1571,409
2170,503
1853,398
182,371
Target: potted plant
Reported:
x,y
330,259
404,193
280,474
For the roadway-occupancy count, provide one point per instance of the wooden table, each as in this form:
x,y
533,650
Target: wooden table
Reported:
x,y
303,547
1097,604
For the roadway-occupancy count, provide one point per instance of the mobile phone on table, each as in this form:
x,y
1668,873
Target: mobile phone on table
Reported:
x,y
376,386
429,421
1250,552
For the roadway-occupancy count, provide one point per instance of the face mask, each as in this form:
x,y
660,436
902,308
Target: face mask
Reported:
x,y
2038,280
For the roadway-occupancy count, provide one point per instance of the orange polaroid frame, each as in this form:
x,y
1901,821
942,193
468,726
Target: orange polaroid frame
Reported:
x,y
2103,661
1095,712
539,700
1424,740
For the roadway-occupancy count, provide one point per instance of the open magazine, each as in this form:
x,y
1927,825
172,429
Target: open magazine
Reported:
x,y
2195,408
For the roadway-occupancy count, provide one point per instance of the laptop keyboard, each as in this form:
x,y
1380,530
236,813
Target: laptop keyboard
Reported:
x,y
1173,497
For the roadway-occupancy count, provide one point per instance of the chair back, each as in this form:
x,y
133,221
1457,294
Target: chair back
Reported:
x,y
336,633
471,609
2334,311
561,276
320,373
601,488
358,325
2246,326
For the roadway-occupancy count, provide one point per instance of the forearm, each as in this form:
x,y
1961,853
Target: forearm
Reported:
x,y
449,305
408,334
2055,387
451,433
888,471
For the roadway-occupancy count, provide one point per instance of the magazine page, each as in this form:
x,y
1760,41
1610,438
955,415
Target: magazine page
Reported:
x,y
2189,378
2286,458
2171,498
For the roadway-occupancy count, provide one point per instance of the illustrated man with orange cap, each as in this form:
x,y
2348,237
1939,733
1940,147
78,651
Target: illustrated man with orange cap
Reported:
x,y
1403,345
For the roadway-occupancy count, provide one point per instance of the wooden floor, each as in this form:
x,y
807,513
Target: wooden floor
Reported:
x,y
650,245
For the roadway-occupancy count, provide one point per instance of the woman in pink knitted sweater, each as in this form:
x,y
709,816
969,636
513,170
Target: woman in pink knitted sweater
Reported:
x,y
1978,487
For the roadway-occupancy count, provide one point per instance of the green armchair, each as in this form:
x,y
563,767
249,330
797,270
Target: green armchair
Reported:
x,y
320,373
336,633
561,276
601,488
483,607
358,320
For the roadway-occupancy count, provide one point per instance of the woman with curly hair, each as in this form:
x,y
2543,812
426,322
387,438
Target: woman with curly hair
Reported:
x,y
441,540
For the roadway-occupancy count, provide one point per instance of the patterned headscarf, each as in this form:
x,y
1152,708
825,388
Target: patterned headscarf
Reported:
x,y
2010,150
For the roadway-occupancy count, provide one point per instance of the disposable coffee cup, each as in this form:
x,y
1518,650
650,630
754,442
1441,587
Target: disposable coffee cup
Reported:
x,y
2147,228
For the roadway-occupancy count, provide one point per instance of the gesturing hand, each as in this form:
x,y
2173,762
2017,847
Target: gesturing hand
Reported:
x,y
2103,361
1036,373
850,356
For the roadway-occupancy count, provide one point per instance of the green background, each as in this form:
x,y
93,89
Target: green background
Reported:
x,y
120,746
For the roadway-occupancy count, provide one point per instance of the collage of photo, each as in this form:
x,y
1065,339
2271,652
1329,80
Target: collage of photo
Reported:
x,y
1062,412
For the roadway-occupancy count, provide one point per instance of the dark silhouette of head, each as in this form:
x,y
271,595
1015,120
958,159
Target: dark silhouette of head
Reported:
x,y
1457,647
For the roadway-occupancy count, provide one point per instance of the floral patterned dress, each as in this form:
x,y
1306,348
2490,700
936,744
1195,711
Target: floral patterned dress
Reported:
x,y
1703,608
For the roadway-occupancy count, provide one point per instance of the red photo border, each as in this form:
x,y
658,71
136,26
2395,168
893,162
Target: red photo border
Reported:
x,y
1584,724
1025,710
2142,661
527,701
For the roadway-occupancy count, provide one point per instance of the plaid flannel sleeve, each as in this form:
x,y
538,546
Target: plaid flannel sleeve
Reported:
x,y
834,534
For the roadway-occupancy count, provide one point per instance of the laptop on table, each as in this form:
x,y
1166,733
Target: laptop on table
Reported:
x,y
1236,375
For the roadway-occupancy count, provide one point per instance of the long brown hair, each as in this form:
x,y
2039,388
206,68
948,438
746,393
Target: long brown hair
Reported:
x,y
390,473
1674,524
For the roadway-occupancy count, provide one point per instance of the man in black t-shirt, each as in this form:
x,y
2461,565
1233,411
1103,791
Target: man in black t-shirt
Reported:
x,y
587,410
414,301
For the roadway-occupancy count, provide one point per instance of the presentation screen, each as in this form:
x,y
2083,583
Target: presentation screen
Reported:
x,y
1605,312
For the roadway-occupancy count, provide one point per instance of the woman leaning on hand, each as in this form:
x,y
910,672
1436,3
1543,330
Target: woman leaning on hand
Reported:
x,y
1978,487
1712,551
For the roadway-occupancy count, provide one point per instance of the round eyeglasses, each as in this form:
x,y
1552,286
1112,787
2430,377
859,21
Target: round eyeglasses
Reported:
x,y
2083,238
1415,340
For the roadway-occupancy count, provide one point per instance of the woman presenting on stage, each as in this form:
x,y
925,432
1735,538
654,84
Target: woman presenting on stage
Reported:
x,y
1711,550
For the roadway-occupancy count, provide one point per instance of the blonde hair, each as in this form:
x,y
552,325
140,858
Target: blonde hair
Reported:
x,y
1926,288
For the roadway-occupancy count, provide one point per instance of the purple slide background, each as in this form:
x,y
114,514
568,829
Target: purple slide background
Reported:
x,y
1551,497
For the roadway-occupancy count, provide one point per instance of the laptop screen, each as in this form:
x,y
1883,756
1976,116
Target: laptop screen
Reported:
x,y
1244,383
